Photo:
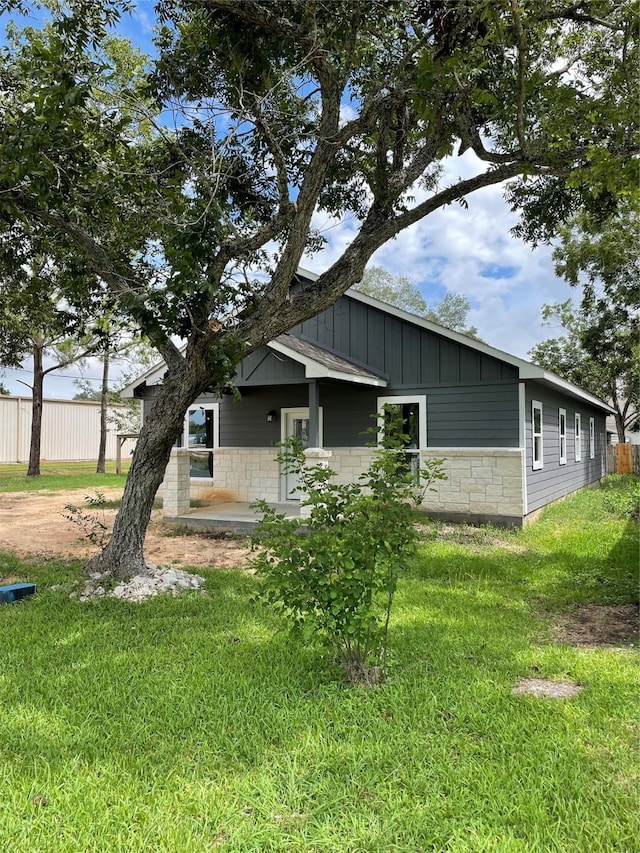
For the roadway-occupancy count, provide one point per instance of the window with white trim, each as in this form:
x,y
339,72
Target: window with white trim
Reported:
x,y
592,438
562,435
536,432
414,420
578,437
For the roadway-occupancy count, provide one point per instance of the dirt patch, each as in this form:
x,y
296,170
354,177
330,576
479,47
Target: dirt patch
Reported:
x,y
475,539
543,689
595,625
32,525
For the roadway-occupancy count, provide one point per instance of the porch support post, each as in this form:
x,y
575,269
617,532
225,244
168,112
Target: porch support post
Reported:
x,y
313,456
314,414
175,498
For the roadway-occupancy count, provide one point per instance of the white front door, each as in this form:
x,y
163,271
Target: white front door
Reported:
x,y
295,423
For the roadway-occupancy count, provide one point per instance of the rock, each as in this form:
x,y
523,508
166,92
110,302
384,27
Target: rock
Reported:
x,y
154,581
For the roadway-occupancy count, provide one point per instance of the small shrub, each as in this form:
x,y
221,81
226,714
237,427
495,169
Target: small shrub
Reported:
x,y
91,524
334,575
622,496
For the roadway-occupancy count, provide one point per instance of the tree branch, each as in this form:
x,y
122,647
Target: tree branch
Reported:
x,y
522,65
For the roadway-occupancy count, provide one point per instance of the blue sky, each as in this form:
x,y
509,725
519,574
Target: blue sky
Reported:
x,y
468,251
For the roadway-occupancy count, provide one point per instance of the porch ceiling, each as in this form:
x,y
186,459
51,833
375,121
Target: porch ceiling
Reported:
x,y
320,363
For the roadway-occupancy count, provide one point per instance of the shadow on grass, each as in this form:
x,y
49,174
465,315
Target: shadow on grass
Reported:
x,y
215,678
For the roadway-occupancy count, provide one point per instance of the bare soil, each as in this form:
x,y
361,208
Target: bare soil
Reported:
x,y
594,625
541,688
33,525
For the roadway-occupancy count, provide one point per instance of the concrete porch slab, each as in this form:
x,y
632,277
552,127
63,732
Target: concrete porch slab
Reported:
x,y
234,516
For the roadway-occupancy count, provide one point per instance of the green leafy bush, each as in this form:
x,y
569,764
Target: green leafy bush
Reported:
x,y
622,495
334,574
92,524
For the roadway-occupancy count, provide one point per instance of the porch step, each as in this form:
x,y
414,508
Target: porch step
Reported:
x,y
15,591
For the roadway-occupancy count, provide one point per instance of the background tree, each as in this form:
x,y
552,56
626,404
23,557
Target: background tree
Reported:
x,y
173,221
36,322
599,252
4,391
117,347
400,290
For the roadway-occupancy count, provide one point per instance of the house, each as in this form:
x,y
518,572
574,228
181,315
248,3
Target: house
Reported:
x,y
514,436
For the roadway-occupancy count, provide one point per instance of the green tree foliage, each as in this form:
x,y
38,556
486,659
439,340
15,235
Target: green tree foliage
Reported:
x,y
173,186
334,574
400,290
4,391
36,321
600,350
598,353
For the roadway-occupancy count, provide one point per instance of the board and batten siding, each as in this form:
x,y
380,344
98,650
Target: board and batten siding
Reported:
x,y
406,354
70,431
554,480
459,416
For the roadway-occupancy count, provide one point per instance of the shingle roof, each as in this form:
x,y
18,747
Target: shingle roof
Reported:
x,y
316,353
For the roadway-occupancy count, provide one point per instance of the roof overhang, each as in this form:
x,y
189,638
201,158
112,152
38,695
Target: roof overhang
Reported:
x,y
335,367
318,368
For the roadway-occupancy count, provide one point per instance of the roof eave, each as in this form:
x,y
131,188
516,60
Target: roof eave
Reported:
x,y
315,370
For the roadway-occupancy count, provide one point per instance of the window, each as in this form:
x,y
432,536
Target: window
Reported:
x,y
201,435
578,437
414,420
562,435
592,438
536,429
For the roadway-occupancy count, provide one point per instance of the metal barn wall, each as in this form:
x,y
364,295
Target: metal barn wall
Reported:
x,y
70,431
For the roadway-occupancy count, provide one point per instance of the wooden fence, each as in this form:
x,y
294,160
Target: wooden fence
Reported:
x,y
623,459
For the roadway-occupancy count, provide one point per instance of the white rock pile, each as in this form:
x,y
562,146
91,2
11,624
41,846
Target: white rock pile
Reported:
x,y
155,580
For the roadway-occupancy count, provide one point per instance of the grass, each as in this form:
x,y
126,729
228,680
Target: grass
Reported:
x,y
60,476
196,724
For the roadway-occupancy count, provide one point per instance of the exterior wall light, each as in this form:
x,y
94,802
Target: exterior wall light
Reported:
x,y
272,416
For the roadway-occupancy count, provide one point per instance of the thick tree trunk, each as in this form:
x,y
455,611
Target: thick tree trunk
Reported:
x,y
104,395
123,557
620,427
36,412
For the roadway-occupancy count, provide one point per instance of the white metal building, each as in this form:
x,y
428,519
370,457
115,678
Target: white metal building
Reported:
x,y
70,430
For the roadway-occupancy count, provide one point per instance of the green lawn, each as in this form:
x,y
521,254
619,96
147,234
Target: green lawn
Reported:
x,y
196,724
59,476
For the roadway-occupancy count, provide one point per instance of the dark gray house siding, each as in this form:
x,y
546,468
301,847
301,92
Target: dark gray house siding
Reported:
x,y
472,415
554,480
478,409
399,350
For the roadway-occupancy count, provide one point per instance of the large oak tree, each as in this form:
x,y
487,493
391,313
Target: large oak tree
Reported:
x,y
175,187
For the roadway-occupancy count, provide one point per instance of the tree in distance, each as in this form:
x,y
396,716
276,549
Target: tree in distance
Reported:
x,y
600,350
402,292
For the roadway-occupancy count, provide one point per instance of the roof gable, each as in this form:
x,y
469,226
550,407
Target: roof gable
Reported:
x,y
470,360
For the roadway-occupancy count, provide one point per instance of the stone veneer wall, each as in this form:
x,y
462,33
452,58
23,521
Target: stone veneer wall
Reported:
x,y
249,473
481,485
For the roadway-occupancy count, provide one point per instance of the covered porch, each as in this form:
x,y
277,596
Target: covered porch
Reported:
x,y
231,516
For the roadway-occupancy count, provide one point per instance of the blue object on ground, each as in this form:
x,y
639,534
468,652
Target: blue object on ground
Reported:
x,y
15,591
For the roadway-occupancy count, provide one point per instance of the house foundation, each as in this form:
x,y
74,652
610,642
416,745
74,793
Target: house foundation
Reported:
x,y
483,485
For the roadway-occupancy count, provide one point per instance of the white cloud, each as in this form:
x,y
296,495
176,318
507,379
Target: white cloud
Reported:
x,y
472,252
